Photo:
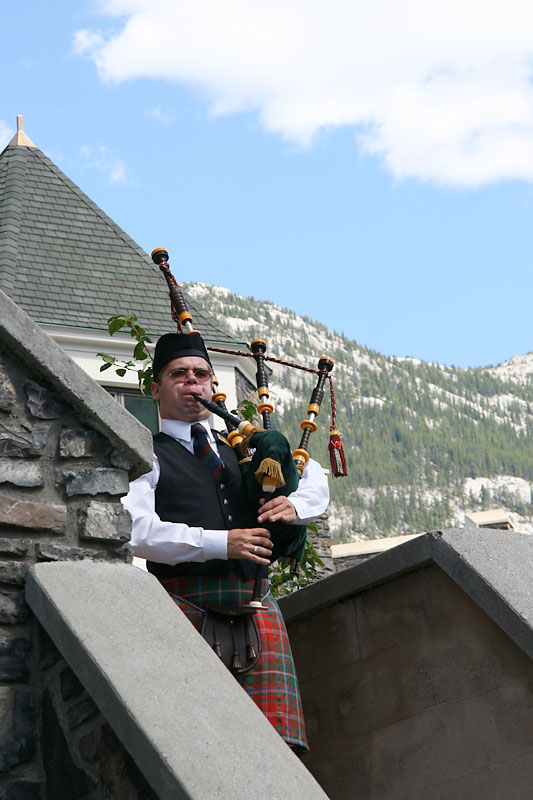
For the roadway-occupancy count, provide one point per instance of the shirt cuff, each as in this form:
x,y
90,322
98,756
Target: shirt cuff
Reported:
x,y
301,507
215,544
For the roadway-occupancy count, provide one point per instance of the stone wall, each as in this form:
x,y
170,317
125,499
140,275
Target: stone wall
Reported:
x,y
60,487
413,692
349,561
80,755
321,541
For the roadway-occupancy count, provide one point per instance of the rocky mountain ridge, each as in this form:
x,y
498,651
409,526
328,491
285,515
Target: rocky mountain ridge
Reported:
x,y
424,442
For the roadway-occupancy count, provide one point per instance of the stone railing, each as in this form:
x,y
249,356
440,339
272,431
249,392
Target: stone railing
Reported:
x,y
146,709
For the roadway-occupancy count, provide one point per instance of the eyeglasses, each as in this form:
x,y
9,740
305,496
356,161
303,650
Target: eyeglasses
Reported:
x,y
180,374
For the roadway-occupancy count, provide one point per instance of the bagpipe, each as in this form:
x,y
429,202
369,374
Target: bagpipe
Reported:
x,y
268,466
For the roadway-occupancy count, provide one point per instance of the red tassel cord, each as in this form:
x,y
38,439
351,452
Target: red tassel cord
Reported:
x,y
336,454
335,446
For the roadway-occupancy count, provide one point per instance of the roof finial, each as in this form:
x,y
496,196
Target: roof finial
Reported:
x,y
21,138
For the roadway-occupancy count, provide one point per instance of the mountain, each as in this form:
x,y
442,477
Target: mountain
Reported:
x,y
423,442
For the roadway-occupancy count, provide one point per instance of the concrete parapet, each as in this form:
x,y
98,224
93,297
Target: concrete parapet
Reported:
x,y
186,723
415,670
493,567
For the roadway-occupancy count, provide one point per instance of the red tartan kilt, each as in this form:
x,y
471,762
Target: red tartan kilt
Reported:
x,y
272,683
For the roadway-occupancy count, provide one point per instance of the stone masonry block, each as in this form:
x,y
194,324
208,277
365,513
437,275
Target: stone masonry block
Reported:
x,y
13,572
18,744
7,697
120,460
34,516
95,481
80,443
21,473
70,685
51,552
13,654
13,608
13,547
88,747
64,778
21,441
7,391
81,712
43,404
108,521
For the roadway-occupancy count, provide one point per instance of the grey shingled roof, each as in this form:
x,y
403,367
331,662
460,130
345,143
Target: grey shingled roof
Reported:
x,y
66,262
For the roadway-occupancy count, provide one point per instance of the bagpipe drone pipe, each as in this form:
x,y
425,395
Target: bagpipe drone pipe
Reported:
x,y
269,467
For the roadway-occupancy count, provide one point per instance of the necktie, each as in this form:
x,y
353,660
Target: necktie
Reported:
x,y
204,451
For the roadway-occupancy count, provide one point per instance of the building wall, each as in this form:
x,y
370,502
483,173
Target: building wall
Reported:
x,y
411,692
79,754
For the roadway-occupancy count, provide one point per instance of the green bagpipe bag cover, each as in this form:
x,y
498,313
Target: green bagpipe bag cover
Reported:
x,y
288,540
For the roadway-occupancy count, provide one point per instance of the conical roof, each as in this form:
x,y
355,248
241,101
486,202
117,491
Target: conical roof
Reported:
x,y
65,262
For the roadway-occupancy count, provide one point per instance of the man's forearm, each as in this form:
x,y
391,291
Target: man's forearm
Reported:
x,y
174,542
167,542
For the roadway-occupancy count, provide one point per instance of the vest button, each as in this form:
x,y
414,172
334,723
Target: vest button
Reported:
x,y
225,501
230,518
222,486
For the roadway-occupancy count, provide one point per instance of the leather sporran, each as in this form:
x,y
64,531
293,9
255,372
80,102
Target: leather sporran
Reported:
x,y
231,632
233,636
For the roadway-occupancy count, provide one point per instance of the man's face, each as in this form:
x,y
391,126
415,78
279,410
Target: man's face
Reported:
x,y
175,396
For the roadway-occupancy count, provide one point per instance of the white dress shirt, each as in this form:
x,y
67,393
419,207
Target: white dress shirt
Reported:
x,y
174,542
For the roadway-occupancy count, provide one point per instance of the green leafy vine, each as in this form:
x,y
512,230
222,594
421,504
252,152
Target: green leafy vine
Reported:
x,y
283,581
141,352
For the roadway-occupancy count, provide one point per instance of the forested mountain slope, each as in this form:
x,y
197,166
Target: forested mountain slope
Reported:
x,y
423,442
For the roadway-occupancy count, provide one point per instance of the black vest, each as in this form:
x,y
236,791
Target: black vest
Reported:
x,y
187,492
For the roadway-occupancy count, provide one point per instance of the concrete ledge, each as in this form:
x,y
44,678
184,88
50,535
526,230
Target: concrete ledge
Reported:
x,y
369,547
94,405
191,729
493,567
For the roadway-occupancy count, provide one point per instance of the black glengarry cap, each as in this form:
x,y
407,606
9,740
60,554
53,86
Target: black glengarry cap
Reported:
x,y
177,345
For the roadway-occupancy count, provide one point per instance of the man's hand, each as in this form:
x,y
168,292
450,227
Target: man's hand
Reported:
x,y
253,544
280,509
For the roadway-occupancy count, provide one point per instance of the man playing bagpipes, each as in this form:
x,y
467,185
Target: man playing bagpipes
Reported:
x,y
204,540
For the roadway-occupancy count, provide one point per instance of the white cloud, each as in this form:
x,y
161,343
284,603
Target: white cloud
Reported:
x,y
105,160
440,90
160,114
6,134
87,42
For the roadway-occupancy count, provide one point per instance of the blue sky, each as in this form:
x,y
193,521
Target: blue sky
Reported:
x,y
369,168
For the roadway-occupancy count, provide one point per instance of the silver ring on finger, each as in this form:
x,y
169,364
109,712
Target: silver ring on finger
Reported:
x,y
255,550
